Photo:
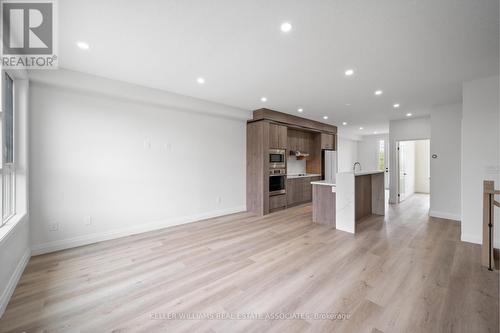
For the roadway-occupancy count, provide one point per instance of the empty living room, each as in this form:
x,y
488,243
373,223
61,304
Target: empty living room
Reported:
x,y
250,166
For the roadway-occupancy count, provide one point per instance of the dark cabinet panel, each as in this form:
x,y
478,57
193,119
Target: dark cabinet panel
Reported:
x,y
299,140
277,202
277,136
299,190
283,137
327,141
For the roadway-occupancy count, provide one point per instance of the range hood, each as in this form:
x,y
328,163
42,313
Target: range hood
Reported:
x,y
299,154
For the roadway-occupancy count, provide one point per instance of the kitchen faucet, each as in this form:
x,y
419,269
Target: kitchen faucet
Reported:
x,y
354,166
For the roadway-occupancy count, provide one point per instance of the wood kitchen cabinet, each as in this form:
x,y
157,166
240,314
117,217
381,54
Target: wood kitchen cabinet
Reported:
x,y
277,136
276,130
277,202
327,141
299,140
299,190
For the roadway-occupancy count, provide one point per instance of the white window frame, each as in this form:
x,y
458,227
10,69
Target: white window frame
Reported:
x,y
8,170
381,151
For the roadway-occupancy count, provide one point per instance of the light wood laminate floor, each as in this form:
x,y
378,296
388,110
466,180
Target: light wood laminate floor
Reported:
x,y
407,274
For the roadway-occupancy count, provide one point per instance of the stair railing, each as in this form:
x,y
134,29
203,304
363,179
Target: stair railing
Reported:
x,y
489,203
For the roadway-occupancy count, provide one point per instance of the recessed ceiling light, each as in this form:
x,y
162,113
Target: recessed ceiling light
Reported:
x,y
375,132
379,92
348,104
325,117
300,110
200,80
286,27
349,72
344,123
83,45
409,114
361,128
396,106
263,99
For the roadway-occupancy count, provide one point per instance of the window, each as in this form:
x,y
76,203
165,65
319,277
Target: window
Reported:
x,y
381,155
9,121
8,165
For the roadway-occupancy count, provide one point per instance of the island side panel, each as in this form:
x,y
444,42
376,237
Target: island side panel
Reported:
x,y
378,194
344,202
323,205
363,196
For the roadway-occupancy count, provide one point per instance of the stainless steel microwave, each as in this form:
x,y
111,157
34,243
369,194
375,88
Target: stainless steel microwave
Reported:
x,y
277,158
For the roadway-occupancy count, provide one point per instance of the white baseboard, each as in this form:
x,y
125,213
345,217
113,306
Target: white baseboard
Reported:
x,y
444,215
14,279
471,238
117,233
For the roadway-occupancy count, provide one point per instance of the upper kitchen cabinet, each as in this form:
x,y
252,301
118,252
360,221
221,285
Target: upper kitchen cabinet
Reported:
x,y
327,141
277,136
300,140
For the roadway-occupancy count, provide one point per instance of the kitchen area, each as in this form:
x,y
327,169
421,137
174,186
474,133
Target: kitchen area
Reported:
x,y
293,161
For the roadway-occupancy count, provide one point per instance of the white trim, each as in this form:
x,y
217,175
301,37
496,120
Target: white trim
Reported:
x,y
469,238
117,233
10,228
445,215
14,279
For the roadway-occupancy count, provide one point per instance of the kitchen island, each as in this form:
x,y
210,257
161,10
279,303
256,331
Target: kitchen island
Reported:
x,y
352,197
323,201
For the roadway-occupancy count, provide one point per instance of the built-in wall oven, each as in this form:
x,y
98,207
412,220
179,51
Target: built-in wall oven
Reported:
x,y
277,158
277,171
277,181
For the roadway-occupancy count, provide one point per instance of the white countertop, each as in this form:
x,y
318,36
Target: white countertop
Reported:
x,y
323,182
302,175
362,173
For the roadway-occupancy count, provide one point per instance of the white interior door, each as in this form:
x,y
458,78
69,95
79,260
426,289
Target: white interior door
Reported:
x,y
386,162
402,171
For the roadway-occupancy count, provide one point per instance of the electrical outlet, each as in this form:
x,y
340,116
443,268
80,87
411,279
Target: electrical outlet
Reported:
x,y
168,147
53,226
218,200
87,220
147,143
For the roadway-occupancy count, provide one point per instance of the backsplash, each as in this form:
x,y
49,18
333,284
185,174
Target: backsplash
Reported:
x,y
295,166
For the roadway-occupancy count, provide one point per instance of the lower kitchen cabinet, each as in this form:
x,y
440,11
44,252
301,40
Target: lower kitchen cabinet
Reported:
x,y
299,190
277,202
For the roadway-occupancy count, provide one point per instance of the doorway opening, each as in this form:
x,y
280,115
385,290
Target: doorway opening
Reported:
x,y
413,168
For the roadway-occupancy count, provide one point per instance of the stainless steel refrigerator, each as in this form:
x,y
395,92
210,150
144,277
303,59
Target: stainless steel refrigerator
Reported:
x,y
329,164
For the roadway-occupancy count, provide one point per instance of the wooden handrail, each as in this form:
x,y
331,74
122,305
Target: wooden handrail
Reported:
x,y
489,204
491,190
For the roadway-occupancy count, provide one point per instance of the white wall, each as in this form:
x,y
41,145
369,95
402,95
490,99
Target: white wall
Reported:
x,y
480,153
14,255
14,235
368,150
295,166
406,129
105,166
347,154
422,169
446,127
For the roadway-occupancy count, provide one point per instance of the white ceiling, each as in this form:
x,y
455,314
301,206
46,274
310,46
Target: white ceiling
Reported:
x,y
417,51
